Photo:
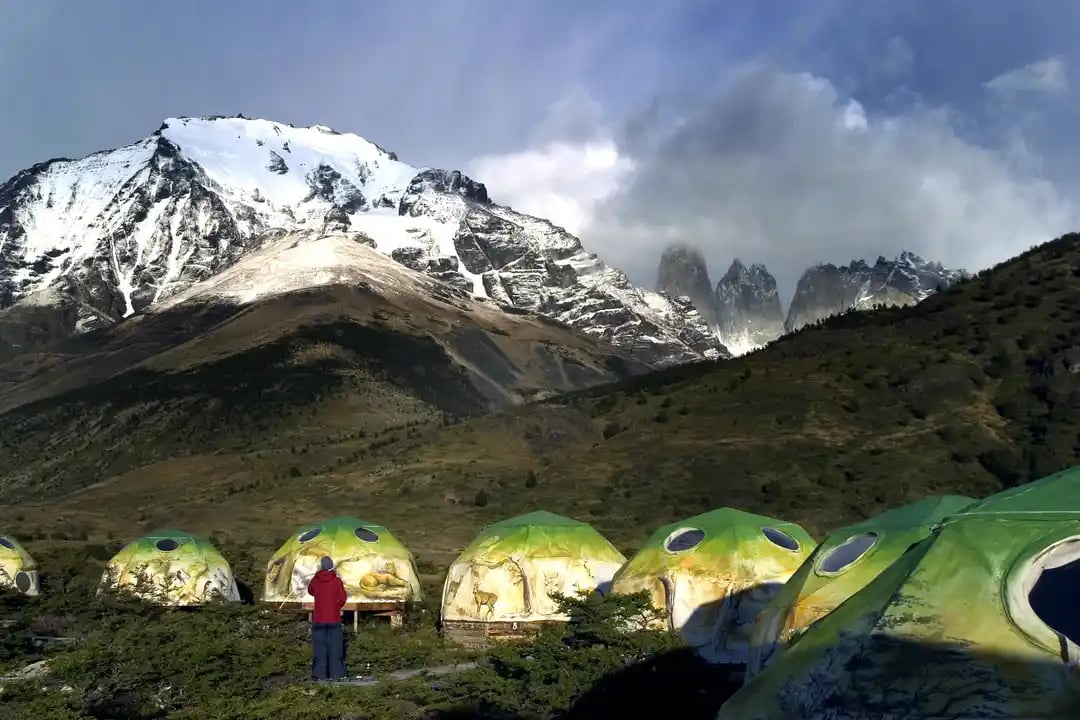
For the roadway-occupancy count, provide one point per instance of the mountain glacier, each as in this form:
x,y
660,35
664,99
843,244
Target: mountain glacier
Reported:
x,y
110,235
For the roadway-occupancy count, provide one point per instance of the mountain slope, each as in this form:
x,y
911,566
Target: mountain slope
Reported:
x,y
974,389
304,319
112,234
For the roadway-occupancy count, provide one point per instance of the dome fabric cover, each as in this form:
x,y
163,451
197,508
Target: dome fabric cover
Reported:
x,y
713,572
963,625
173,568
17,569
374,566
845,561
512,568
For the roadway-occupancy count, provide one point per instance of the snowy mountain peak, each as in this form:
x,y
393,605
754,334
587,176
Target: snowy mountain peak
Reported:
x,y
754,275
116,232
827,289
744,309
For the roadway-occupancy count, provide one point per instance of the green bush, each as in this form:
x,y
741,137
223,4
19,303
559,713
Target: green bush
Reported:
x,y
233,661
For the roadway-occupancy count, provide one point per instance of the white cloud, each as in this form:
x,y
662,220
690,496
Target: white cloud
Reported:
x,y
560,181
779,168
1044,76
574,166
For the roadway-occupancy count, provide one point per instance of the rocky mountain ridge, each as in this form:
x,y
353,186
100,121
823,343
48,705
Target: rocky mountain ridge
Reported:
x,y
744,309
85,243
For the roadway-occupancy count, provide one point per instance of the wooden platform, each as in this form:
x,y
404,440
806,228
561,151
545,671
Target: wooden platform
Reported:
x,y
393,611
479,635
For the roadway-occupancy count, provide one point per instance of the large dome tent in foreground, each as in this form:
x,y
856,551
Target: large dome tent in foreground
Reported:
x,y
507,575
373,564
841,565
976,621
713,572
17,568
173,568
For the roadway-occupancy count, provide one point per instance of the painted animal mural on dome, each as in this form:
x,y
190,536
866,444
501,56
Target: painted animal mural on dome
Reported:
x,y
374,566
513,569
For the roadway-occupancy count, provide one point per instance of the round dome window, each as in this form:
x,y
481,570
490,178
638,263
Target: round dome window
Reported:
x,y
310,534
23,581
847,553
1041,594
780,538
7,543
685,539
366,535
166,545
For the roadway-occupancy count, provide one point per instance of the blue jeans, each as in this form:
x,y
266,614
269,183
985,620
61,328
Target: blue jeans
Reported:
x,y
328,651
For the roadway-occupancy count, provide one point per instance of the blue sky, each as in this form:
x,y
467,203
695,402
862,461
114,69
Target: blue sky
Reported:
x,y
782,132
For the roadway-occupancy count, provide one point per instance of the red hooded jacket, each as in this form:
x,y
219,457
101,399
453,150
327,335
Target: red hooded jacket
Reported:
x,y
329,593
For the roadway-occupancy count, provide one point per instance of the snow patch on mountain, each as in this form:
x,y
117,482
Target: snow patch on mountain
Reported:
x,y
121,231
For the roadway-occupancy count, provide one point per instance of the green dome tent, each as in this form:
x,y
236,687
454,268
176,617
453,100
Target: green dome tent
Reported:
x,y
17,569
845,561
976,621
713,572
170,567
374,566
507,574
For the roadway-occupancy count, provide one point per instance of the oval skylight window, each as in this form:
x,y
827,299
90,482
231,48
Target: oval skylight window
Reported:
x,y
780,538
684,539
7,543
847,552
310,534
1054,581
366,535
23,582
166,544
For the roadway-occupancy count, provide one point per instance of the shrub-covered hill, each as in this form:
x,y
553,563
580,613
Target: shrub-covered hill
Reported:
x,y
973,390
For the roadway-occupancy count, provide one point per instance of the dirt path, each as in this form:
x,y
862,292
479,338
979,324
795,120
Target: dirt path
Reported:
x,y
398,675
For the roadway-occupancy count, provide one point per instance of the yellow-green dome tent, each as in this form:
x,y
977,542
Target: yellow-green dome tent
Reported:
x,y
713,572
170,567
978,620
508,573
17,569
845,561
374,566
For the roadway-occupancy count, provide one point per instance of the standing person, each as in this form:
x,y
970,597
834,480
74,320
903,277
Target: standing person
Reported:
x,y
327,637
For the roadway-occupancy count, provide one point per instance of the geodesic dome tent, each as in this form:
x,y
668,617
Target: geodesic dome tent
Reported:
x,y
509,572
845,561
374,566
976,621
17,569
170,567
713,572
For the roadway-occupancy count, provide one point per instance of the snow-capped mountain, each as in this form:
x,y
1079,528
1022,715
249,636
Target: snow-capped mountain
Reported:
x,y
748,308
827,289
118,231
744,311
744,308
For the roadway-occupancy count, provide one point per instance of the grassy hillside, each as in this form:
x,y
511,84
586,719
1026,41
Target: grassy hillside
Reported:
x,y
974,390
969,392
327,365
